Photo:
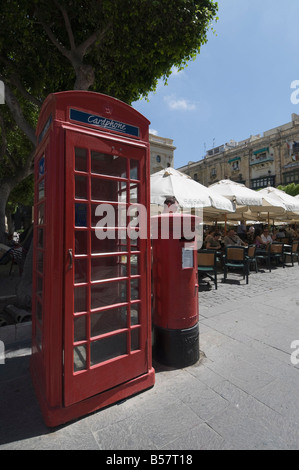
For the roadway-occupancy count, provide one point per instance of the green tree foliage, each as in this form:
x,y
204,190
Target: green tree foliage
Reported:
x,y
292,189
116,47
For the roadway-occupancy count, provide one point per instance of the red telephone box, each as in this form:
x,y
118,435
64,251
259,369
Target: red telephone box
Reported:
x,y
91,325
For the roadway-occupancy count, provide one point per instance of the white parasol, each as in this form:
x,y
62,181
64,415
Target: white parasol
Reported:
x,y
188,193
238,193
291,203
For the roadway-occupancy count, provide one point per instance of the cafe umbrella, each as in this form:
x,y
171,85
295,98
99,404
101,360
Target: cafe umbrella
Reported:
x,y
238,193
291,203
188,193
270,208
243,197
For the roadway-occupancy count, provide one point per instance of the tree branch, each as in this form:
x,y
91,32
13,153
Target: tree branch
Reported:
x,y
17,114
3,137
16,82
4,148
67,25
65,52
97,35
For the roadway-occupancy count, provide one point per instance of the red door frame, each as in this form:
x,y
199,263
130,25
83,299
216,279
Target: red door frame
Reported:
x,y
80,385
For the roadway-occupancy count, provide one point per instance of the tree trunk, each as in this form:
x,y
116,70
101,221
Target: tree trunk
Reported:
x,y
10,223
84,77
24,287
5,189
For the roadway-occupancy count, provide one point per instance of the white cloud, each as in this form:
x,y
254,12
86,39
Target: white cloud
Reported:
x,y
179,104
153,132
176,72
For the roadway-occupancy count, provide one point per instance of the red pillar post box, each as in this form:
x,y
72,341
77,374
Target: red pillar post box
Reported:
x,y
91,325
175,288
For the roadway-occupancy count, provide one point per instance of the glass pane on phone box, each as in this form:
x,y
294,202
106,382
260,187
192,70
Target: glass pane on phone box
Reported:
x,y
40,237
80,159
108,267
134,239
39,311
134,265
108,215
80,270
80,328
80,187
39,287
134,169
109,293
108,348
134,193
108,190
79,358
110,165
41,189
80,299
38,338
135,294
41,214
40,261
108,241
80,215
135,314
80,242
108,320
135,343
41,167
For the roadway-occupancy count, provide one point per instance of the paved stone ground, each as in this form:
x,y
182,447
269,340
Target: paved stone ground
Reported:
x,y
242,394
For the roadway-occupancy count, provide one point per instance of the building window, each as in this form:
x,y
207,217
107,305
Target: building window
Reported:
x,y
291,177
236,166
195,177
213,172
258,183
158,159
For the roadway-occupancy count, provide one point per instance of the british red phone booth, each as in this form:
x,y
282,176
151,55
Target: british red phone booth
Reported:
x,y
91,325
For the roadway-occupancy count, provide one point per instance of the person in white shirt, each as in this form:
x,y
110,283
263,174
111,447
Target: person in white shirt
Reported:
x,y
266,237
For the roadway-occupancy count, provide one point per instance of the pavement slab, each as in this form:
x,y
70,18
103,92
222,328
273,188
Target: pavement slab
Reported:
x,y
241,394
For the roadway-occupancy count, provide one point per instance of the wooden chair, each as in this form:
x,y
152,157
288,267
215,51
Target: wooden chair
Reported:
x,y
264,255
292,252
251,257
276,253
235,257
207,265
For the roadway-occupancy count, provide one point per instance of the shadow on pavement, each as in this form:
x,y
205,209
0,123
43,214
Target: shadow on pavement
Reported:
x,y
19,410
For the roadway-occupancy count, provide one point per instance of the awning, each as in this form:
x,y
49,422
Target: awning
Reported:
x,y
266,149
234,160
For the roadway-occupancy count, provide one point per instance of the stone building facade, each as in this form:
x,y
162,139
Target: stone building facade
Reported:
x,y
263,160
162,152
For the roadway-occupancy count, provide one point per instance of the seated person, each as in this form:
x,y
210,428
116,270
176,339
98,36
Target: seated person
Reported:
x,y
257,239
232,239
251,234
242,231
266,237
213,242
208,236
280,233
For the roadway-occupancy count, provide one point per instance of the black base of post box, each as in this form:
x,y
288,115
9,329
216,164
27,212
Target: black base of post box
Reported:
x,y
176,348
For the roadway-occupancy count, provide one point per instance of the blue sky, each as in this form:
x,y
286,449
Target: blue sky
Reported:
x,y
239,85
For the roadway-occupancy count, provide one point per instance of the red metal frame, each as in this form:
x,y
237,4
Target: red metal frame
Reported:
x,y
63,392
